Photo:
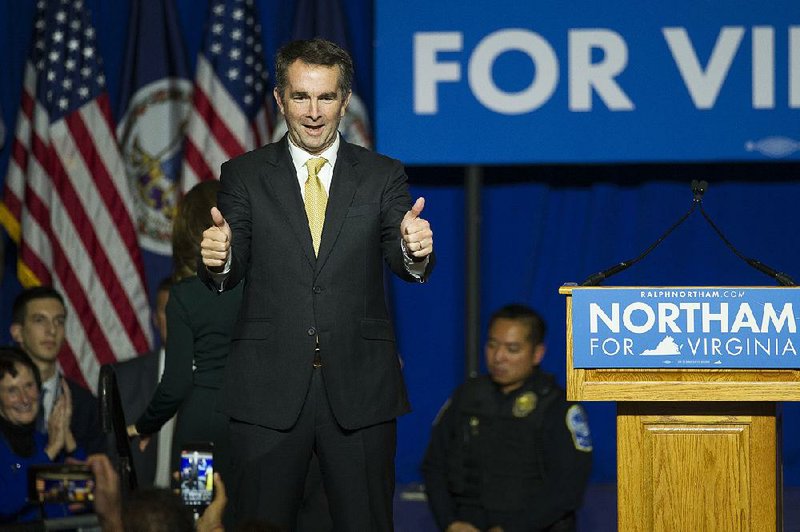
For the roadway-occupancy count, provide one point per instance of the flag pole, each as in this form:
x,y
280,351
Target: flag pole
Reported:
x,y
473,180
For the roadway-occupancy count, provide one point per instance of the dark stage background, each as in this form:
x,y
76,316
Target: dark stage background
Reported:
x,y
541,226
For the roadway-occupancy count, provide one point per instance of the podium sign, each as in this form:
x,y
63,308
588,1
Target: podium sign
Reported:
x,y
696,376
686,327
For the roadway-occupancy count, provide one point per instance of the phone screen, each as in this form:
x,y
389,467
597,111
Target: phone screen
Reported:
x,y
197,474
61,483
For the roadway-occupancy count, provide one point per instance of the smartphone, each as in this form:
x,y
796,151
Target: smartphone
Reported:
x,y
197,474
60,483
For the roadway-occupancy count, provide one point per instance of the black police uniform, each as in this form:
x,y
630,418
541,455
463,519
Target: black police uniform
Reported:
x,y
520,461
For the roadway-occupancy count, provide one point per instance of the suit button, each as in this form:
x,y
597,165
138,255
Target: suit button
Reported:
x,y
317,289
311,331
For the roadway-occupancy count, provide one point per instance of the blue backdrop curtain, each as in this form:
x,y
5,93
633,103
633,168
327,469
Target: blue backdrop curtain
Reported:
x,y
542,226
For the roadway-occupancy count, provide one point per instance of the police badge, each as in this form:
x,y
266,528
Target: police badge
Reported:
x,y
524,404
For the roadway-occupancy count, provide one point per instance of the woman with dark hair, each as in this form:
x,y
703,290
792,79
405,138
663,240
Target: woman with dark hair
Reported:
x,y
199,324
21,445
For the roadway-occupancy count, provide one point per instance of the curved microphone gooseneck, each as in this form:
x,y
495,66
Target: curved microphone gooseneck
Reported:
x,y
699,189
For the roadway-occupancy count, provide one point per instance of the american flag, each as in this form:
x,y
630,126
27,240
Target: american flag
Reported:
x,y
231,111
66,201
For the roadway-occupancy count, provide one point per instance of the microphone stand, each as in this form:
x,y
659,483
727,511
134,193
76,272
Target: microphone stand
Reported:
x,y
699,188
112,419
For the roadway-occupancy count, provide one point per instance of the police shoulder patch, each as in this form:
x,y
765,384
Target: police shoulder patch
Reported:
x,y
578,426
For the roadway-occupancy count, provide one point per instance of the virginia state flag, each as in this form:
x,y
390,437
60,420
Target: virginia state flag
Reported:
x,y
156,98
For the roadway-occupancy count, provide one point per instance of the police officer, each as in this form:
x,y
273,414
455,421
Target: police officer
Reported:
x,y
508,452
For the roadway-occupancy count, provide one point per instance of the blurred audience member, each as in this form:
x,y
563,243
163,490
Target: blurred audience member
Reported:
x,y
153,509
156,510
37,325
21,444
107,494
137,379
508,452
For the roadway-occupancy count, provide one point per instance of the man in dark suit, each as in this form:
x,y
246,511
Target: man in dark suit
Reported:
x,y
307,223
37,325
137,379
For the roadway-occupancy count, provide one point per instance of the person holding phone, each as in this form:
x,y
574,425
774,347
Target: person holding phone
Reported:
x,y
197,341
152,508
21,444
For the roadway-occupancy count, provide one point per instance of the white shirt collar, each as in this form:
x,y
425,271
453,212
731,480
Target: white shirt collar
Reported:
x,y
300,156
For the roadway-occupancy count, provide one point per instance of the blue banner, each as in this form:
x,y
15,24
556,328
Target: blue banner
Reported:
x,y
546,82
680,327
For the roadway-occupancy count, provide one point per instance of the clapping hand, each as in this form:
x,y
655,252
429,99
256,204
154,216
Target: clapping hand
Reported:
x,y
59,433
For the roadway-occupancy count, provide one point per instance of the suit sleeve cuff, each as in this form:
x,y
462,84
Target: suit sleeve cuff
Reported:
x,y
219,278
416,269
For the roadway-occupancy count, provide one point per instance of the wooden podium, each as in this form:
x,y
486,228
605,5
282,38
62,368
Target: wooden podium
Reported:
x,y
697,449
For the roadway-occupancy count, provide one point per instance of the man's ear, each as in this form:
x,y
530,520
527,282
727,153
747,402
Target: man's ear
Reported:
x,y
346,104
16,332
538,354
278,101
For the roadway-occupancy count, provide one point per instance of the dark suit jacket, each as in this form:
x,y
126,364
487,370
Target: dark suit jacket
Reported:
x,y
136,381
85,423
292,297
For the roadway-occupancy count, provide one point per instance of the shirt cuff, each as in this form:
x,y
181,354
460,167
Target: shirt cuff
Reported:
x,y
220,277
416,269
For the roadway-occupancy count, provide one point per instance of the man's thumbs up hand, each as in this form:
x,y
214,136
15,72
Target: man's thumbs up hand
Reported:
x,y
416,232
216,244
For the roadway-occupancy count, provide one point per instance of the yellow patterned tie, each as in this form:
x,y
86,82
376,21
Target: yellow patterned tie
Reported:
x,y
316,200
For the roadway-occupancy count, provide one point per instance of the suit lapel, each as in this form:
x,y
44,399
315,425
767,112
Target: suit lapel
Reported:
x,y
282,180
346,180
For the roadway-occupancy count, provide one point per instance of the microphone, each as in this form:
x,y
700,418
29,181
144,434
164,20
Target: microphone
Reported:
x,y
599,277
699,189
782,278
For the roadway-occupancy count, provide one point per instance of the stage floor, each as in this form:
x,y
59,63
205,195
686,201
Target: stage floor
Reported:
x,y
598,513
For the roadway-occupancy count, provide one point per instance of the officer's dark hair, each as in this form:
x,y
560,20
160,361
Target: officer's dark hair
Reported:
x,y
314,52
29,294
10,356
526,315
